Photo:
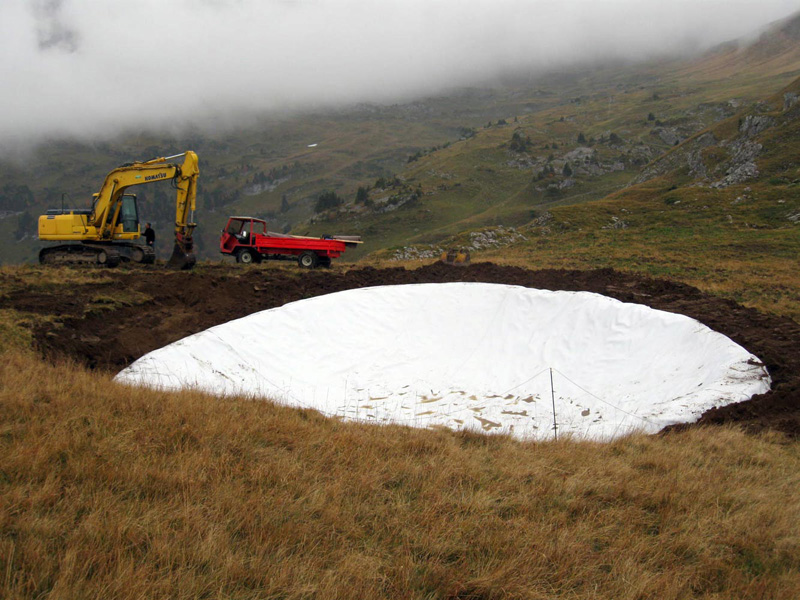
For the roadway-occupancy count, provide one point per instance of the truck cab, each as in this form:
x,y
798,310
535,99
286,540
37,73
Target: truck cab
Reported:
x,y
240,231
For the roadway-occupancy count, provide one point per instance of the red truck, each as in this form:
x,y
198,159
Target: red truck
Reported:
x,y
248,240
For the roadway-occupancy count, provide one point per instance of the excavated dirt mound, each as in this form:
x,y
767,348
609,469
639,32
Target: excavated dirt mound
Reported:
x,y
188,302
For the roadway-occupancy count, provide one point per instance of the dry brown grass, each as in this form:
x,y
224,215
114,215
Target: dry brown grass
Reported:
x,y
113,492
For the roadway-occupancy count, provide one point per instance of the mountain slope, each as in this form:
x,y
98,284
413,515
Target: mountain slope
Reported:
x,y
434,167
591,144
721,211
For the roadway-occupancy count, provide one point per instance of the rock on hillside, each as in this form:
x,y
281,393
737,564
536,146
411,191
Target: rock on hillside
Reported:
x,y
725,155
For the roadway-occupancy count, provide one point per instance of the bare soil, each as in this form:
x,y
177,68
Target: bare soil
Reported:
x,y
111,336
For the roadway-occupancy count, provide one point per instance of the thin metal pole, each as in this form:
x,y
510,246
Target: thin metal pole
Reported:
x,y
553,396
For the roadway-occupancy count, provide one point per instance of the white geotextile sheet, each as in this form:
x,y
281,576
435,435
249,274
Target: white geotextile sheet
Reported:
x,y
490,357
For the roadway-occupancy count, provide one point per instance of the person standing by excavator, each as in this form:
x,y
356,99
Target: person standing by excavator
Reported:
x,y
149,236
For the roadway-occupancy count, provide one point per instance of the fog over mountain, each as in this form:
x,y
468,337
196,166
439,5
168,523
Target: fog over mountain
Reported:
x,y
92,68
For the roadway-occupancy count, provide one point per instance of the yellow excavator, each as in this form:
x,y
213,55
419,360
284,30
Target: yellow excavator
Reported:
x,y
104,234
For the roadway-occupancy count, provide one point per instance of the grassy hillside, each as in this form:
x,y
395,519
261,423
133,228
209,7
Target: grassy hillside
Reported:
x,y
720,210
607,127
693,220
246,170
434,167
129,493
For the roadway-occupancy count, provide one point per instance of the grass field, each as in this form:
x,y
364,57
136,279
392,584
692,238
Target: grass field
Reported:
x,y
109,491
125,493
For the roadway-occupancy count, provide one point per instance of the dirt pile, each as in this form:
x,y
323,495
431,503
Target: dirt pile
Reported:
x,y
184,303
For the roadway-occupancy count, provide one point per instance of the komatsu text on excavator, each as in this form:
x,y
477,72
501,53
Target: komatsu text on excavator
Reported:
x,y
104,233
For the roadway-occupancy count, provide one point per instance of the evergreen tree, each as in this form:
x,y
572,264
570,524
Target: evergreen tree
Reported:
x,y
326,200
519,142
362,195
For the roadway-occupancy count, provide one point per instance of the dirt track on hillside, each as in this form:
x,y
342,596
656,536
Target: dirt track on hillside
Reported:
x,y
185,303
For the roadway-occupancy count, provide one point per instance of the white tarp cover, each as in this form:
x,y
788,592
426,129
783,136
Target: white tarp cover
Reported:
x,y
468,355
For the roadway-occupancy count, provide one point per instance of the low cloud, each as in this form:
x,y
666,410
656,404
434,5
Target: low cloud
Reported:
x,y
92,68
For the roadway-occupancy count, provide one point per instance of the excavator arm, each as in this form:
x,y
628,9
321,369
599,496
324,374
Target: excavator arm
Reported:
x,y
186,184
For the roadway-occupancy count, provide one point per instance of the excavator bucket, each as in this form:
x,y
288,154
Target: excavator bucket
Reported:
x,y
459,258
181,259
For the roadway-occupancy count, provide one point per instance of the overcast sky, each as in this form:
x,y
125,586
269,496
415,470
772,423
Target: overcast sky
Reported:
x,y
91,68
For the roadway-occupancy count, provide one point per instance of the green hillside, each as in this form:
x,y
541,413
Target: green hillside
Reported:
x,y
720,211
601,135
268,169
475,158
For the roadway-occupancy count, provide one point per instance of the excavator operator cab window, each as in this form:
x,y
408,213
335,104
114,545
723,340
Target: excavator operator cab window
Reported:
x,y
129,214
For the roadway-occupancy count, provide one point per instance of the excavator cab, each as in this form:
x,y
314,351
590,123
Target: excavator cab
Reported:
x,y
129,214
128,217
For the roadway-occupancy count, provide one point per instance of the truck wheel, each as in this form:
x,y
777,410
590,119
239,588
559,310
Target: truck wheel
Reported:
x,y
307,260
245,257
325,262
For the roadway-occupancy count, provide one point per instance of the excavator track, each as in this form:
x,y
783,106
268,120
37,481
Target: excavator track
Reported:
x,y
104,256
136,253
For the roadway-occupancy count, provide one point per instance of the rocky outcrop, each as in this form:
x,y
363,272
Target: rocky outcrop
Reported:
x,y
494,238
752,125
719,163
616,223
689,155
415,253
486,239
742,165
668,135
